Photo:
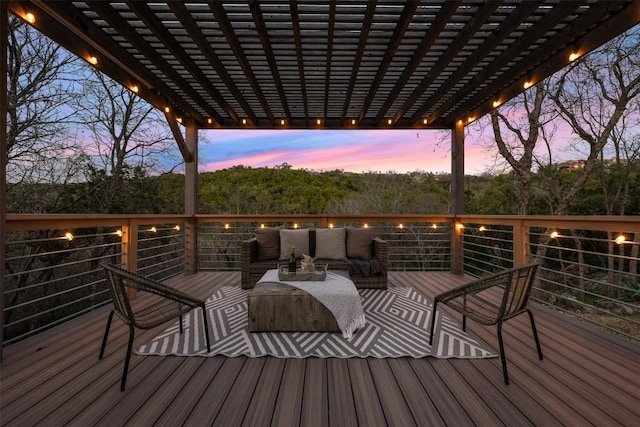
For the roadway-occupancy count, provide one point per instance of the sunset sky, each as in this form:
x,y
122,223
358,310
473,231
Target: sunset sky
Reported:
x,y
349,150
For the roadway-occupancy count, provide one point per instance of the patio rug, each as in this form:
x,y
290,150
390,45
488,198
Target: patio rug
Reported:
x,y
397,326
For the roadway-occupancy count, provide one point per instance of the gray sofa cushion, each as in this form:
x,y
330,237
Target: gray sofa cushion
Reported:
x,y
296,238
330,243
359,242
268,243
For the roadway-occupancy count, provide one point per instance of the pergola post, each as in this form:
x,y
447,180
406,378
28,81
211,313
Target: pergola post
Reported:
x,y
191,199
4,105
457,196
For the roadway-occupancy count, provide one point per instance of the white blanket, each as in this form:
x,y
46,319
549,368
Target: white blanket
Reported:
x,y
336,292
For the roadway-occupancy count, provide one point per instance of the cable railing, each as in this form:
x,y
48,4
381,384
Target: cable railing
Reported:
x,y
52,269
53,275
589,270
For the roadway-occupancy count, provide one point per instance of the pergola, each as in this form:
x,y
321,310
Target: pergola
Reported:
x,y
328,64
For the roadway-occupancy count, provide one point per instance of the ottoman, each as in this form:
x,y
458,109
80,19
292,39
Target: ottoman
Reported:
x,y
277,307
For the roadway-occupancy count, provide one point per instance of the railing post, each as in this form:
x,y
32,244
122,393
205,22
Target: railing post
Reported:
x,y
520,243
129,251
457,249
190,246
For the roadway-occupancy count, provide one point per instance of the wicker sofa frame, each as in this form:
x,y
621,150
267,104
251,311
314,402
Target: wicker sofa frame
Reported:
x,y
253,269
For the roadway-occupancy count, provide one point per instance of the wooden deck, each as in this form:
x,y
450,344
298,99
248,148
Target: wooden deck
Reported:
x,y
587,378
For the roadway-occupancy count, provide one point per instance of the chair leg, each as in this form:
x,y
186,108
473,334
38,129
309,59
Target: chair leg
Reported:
x,y
433,321
126,360
106,334
502,355
535,334
206,327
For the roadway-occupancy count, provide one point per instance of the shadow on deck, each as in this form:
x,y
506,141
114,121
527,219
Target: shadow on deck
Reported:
x,y
587,377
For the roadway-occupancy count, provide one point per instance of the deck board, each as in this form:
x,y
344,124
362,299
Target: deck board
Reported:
x,y
586,377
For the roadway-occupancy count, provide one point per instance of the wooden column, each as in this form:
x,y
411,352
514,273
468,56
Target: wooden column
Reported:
x,y
191,199
4,106
457,197
457,170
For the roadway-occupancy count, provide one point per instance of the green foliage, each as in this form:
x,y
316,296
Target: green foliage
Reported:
x,y
490,195
242,190
284,190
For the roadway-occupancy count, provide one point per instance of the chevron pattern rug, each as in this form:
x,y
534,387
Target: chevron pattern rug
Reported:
x,y
397,326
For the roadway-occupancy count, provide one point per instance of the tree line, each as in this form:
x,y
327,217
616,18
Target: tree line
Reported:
x,y
285,190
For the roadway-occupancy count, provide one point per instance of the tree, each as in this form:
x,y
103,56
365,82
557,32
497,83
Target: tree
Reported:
x,y
126,137
518,128
41,82
598,96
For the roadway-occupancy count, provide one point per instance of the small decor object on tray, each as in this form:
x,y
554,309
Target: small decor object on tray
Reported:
x,y
319,274
307,265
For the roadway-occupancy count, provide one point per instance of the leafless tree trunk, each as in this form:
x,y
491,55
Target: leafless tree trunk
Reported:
x,y
517,139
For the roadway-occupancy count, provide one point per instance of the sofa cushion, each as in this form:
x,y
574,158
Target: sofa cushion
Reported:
x,y
296,238
359,242
268,243
330,243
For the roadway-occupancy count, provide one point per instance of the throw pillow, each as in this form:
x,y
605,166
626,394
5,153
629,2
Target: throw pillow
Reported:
x,y
297,238
268,243
359,243
330,243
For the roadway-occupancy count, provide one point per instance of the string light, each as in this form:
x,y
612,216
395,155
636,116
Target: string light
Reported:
x,y
261,225
295,225
135,88
496,104
434,226
153,229
366,225
177,228
620,239
30,18
119,233
93,60
167,109
527,84
459,226
331,225
554,234
227,226
401,226
573,56
482,228
68,236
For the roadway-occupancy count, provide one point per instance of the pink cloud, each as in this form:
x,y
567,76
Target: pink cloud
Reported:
x,y
383,151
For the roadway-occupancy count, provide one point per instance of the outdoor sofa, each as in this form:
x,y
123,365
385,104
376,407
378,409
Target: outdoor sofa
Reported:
x,y
351,249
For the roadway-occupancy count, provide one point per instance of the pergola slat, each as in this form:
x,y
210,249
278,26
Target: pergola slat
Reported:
x,y
336,61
